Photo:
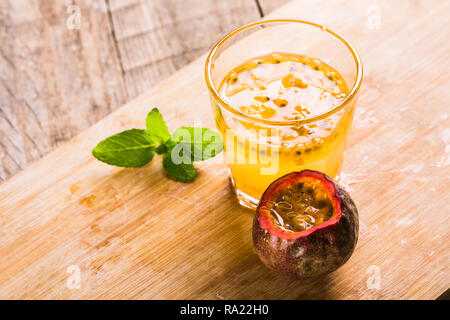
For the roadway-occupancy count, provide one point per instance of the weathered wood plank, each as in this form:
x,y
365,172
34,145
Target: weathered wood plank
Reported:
x,y
157,37
267,6
55,80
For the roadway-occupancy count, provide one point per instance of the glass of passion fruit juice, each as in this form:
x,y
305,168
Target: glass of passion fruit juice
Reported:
x,y
283,93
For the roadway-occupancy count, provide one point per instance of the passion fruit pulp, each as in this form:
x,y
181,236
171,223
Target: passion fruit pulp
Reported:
x,y
305,225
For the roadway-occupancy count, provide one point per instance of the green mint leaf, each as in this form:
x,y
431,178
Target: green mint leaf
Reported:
x,y
184,172
156,127
162,148
131,149
199,143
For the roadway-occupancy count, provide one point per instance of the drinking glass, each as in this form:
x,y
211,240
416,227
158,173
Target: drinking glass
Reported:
x,y
256,152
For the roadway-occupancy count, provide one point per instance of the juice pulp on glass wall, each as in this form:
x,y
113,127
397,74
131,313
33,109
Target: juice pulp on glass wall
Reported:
x,y
281,87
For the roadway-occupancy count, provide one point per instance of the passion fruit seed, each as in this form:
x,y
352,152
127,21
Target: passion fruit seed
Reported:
x,y
283,206
280,102
317,141
297,209
302,111
261,99
290,81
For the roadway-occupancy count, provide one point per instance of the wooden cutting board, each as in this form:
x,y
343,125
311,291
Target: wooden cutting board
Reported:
x,y
133,233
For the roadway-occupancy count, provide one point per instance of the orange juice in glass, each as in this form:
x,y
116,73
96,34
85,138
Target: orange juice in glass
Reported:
x,y
283,93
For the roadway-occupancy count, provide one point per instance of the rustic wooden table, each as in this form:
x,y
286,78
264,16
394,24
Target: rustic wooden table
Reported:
x,y
64,65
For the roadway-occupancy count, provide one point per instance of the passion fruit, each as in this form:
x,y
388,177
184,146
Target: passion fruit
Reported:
x,y
305,225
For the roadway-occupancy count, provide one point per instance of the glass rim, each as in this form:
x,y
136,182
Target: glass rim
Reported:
x,y
355,88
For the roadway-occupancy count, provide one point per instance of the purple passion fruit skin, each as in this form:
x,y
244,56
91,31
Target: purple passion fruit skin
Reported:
x,y
315,251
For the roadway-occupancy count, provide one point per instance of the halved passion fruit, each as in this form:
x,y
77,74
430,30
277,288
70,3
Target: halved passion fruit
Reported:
x,y
305,225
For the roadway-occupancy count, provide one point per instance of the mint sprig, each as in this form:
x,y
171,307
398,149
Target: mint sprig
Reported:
x,y
137,147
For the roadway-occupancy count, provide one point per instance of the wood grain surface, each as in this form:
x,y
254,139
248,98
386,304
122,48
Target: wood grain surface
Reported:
x,y
57,79
134,233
